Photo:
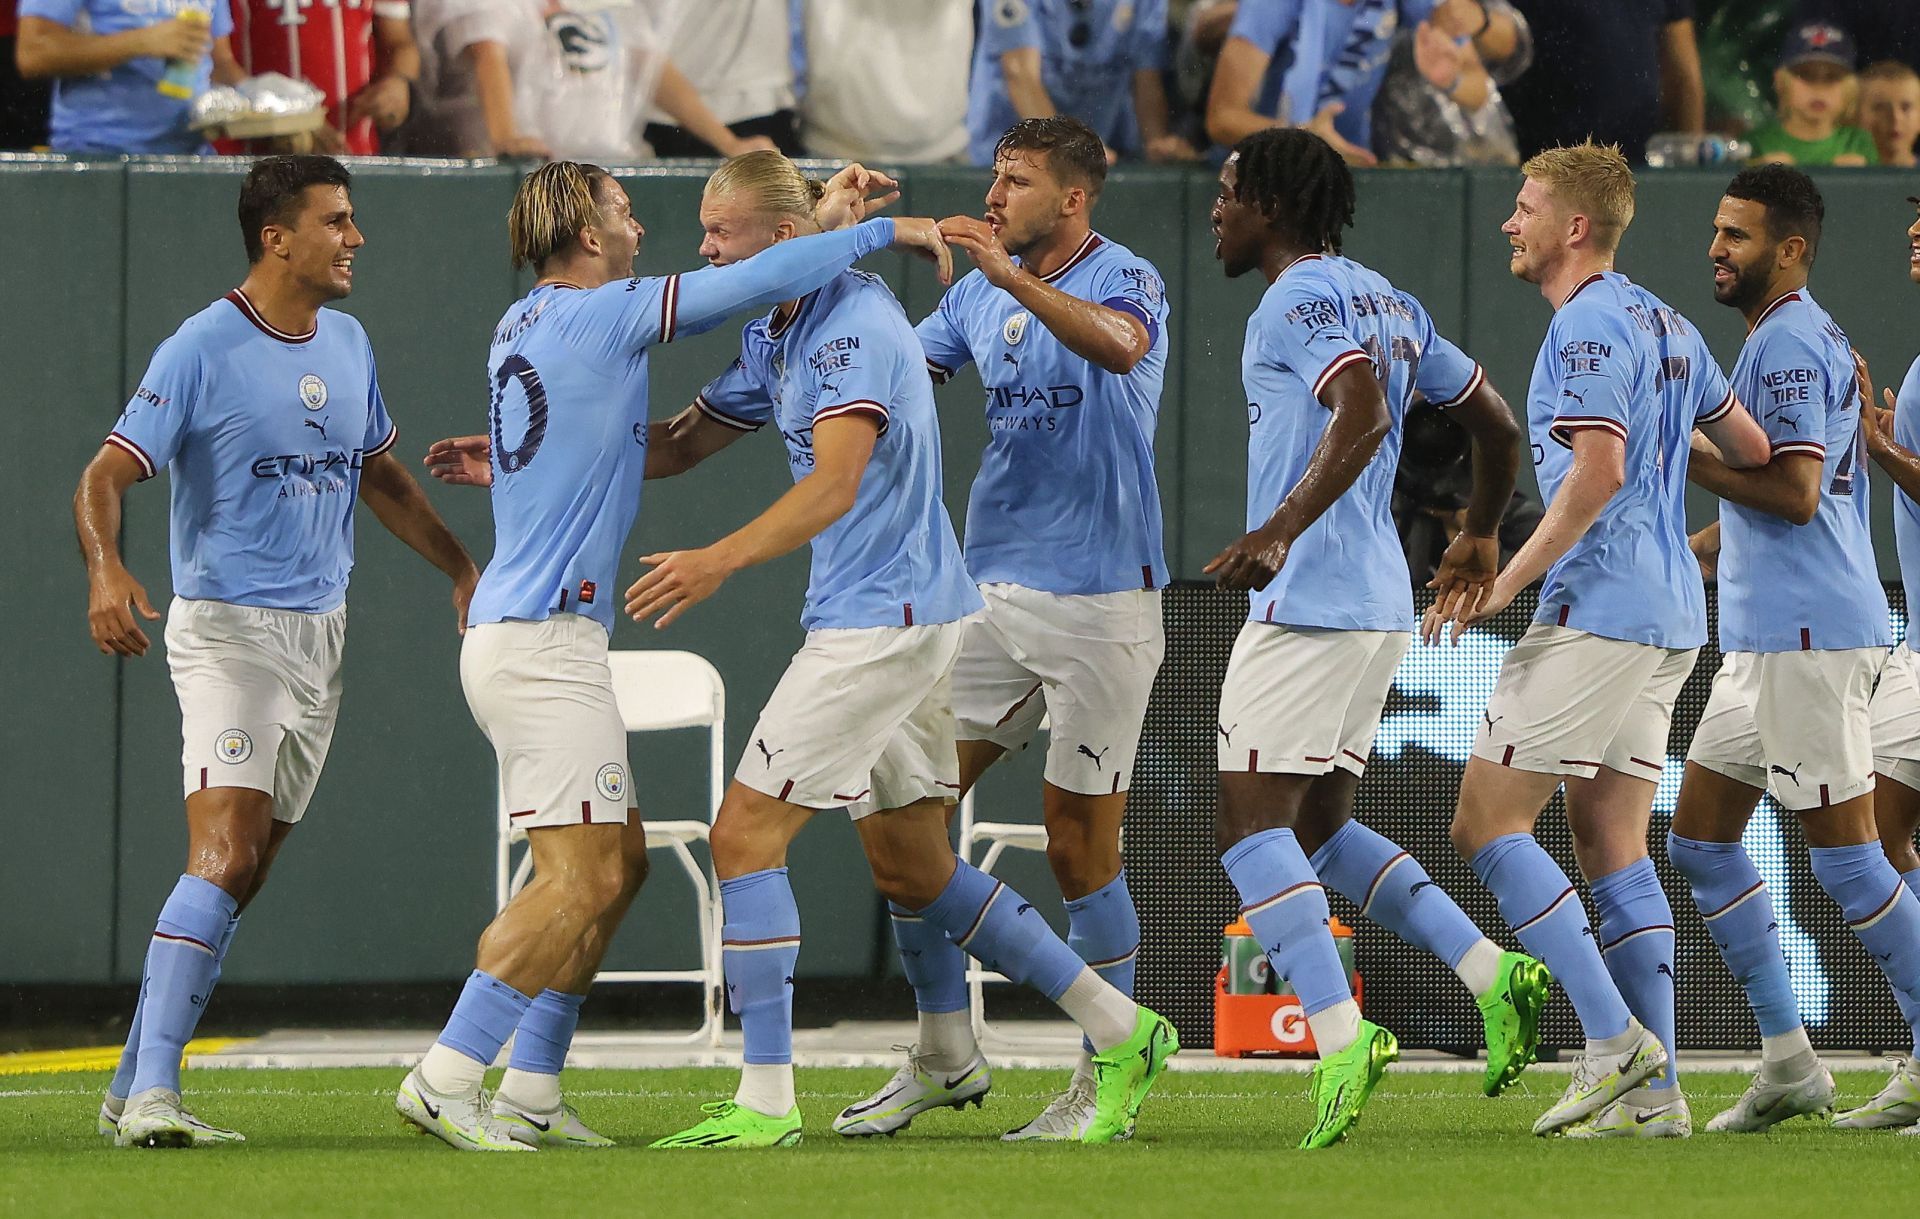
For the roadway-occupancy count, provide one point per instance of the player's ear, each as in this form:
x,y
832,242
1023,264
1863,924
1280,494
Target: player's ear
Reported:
x,y
1074,202
1792,251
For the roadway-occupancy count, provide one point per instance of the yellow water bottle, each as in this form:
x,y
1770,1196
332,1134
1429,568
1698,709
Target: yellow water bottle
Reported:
x,y
181,74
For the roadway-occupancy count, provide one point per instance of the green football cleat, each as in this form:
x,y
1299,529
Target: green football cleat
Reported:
x,y
1124,1074
733,1125
1511,1013
1343,1082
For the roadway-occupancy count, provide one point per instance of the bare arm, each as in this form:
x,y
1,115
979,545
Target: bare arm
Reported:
x,y
686,440
1787,486
1472,558
1705,546
385,98
680,578
1020,69
1741,442
388,489
1901,463
1492,29
1360,423
226,69
1108,338
1683,95
1150,108
1236,84
46,48
493,85
113,595
675,95
397,53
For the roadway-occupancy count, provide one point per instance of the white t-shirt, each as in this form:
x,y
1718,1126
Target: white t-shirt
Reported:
x,y
738,55
886,80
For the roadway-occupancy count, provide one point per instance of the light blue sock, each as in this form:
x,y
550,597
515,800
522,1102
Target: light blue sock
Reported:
x,y
1880,909
759,947
484,1016
1103,929
182,960
1390,887
1002,930
934,965
545,1031
130,1053
1738,911
1539,903
1909,1010
1636,941
1287,909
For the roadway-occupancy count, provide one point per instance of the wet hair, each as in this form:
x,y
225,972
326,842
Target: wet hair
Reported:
x,y
769,183
273,189
550,208
1073,153
1591,180
1298,182
1792,202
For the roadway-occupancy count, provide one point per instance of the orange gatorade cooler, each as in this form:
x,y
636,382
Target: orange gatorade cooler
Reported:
x,y
1253,1012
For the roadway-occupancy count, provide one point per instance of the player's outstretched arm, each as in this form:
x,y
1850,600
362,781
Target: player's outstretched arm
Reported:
x,y
113,595
684,441
1599,471
680,578
1360,423
388,489
1106,338
1472,559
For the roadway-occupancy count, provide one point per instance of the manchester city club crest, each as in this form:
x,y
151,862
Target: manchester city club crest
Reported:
x,y
612,781
234,747
1016,328
313,392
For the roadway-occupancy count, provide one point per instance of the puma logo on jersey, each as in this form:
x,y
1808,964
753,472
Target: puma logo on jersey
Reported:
x,y
1097,763
319,427
1012,359
760,743
1793,774
1416,886
1792,421
1022,909
1664,968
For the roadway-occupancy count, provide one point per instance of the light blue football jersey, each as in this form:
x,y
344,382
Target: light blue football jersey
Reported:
x,y
892,560
1906,513
567,383
1326,314
1787,587
1325,51
1619,359
1065,501
1089,51
265,433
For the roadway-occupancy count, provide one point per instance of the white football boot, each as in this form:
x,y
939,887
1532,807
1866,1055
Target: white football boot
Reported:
x,y
1766,1103
914,1089
205,1134
1639,1115
1600,1079
561,1127
1069,1114
1898,1104
153,1119
464,1123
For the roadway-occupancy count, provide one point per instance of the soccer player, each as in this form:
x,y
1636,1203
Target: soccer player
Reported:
x,y
864,716
1893,441
568,370
1803,624
1064,539
266,408
1333,355
1586,696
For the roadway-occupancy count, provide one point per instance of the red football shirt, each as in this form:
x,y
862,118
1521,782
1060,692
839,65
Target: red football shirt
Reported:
x,y
327,43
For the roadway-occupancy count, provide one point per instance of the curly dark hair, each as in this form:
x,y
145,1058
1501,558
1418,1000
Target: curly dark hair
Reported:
x,y
1793,203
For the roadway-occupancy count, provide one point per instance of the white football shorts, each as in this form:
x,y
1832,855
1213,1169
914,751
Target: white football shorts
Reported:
x,y
1304,700
1798,724
1896,719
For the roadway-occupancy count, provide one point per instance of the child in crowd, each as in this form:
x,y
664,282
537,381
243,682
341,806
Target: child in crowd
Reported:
x,y
1890,110
1816,88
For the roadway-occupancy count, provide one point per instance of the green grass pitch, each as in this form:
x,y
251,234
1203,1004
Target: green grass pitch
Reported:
x,y
327,1143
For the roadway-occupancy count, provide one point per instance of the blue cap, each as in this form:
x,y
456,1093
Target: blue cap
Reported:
x,y
1817,41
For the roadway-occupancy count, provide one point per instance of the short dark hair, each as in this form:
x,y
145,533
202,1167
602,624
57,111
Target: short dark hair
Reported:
x,y
1792,202
1298,182
273,188
1073,152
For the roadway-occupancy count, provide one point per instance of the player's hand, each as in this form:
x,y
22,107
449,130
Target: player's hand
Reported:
x,y
113,597
921,237
464,461
982,245
385,101
1469,562
322,139
523,147
1705,546
1878,423
679,579
1437,57
178,39
1251,562
852,195
1321,125
463,588
1462,606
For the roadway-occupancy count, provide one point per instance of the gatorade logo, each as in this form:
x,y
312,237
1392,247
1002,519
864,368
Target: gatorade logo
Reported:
x,y
1290,1023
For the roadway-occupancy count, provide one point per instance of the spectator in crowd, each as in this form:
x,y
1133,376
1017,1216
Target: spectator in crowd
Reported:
x,y
1615,70
1816,89
23,103
1430,491
1890,110
1441,106
886,81
1203,26
106,59
335,46
1319,64
1888,29
737,56
1036,58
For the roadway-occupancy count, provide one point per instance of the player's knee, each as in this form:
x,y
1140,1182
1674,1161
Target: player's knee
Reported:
x,y
738,846
1080,862
635,863
1464,834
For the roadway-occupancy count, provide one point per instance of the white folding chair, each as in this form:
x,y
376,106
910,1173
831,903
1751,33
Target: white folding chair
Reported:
x,y
658,691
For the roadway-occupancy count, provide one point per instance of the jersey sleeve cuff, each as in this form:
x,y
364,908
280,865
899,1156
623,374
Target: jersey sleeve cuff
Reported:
x,y
1474,382
721,417
393,434
1720,412
669,308
1563,428
1800,448
1340,364
940,373
874,410
147,468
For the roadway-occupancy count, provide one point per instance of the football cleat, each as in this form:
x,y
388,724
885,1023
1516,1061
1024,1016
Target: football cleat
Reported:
x,y
464,1123
1066,1117
1600,1079
560,1128
153,1119
1123,1075
205,1134
1342,1083
1766,1103
1628,1118
914,1089
1511,1014
729,1124
1898,1104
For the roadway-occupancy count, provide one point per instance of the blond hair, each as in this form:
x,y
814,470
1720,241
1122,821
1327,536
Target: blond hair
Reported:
x,y
551,206
768,183
1590,180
